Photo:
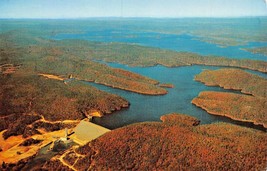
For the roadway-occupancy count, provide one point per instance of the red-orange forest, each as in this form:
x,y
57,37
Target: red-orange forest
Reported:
x,y
177,143
43,91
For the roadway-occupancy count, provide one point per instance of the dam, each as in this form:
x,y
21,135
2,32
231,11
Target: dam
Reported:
x,y
87,131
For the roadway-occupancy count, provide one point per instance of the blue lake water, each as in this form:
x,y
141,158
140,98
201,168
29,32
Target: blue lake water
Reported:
x,y
184,42
178,99
150,108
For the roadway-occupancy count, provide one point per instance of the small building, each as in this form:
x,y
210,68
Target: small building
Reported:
x,y
65,138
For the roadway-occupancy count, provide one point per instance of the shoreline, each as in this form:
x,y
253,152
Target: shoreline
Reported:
x,y
224,87
162,88
228,116
130,90
124,89
227,66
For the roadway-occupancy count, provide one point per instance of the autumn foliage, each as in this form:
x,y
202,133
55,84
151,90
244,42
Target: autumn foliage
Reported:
x,y
26,98
247,108
235,79
174,144
238,107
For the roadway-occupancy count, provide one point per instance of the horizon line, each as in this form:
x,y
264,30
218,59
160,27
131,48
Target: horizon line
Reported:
x,y
131,17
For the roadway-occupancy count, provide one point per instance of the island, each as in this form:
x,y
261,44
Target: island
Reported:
x,y
258,50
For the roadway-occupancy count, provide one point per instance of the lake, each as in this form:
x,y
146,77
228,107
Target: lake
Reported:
x,y
150,108
180,43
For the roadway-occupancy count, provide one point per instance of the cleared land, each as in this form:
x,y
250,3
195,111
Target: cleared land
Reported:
x,y
174,144
34,107
14,151
55,77
34,97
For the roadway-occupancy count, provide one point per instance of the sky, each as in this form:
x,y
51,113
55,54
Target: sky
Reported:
x,y
131,8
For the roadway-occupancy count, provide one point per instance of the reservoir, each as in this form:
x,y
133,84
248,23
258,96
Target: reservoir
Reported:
x,y
178,100
180,43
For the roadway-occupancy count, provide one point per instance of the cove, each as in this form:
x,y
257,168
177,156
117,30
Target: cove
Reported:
x,y
151,108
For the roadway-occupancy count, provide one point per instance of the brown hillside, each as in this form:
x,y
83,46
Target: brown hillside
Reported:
x,y
174,144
